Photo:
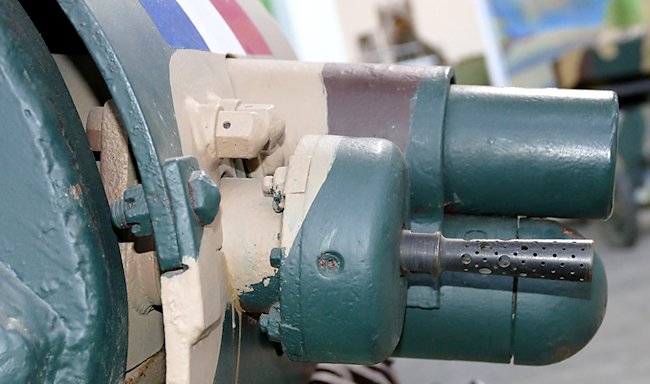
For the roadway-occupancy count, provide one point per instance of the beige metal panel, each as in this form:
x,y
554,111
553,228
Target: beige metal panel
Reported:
x,y
251,228
295,89
194,300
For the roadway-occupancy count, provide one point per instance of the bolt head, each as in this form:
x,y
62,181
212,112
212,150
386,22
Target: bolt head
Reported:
x,y
204,196
276,257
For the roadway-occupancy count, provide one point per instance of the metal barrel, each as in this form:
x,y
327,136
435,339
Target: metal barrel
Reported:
x,y
539,153
570,260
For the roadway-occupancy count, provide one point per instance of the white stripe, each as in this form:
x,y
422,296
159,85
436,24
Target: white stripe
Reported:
x,y
213,28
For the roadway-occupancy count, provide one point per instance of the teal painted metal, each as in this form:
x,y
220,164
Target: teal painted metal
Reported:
x,y
116,34
342,298
552,152
554,321
424,151
493,318
262,295
63,311
181,174
132,212
473,320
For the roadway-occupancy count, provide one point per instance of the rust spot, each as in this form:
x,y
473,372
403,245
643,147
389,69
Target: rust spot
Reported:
x,y
75,191
571,233
139,373
421,209
563,352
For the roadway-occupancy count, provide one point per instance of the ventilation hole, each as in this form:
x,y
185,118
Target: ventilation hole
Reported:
x,y
543,263
542,276
534,254
466,245
515,253
504,261
465,269
543,248
582,249
572,273
466,258
534,270
573,256
555,255
552,270
485,271
475,265
582,265
485,259
514,268
523,261
496,253
561,277
476,252
581,279
563,248
561,264
524,247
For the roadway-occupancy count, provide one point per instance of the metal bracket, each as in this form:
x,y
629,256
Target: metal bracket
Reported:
x,y
194,201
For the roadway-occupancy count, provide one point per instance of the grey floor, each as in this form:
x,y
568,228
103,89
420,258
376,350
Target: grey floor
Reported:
x,y
619,353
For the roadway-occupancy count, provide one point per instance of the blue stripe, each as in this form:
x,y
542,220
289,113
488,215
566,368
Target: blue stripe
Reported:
x,y
173,24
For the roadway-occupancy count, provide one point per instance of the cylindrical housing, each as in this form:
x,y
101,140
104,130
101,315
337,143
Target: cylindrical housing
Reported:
x,y
501,318
542,152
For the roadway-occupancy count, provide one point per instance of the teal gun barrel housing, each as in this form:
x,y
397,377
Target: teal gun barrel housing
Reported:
x,y
527,152
494,156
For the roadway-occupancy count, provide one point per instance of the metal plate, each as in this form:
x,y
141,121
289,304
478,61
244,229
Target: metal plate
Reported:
x,y
63,302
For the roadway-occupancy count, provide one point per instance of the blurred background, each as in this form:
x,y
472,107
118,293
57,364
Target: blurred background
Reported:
x,y
593,44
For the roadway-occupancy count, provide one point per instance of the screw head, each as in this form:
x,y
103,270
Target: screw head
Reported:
x,y
204,196
329,263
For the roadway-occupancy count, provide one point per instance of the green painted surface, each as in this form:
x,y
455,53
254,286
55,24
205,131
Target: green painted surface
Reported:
x,y
473,321
349,307
424,151
188,226
554,320
63,314
262,295
134,61
551,152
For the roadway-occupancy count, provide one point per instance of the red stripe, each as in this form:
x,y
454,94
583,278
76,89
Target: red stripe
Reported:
x,y
242,26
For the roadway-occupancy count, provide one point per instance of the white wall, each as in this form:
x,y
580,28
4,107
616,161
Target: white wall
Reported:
x,y
313,27
450,25
328,30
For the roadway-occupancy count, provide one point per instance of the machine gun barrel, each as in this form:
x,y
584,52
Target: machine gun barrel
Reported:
x,y
432,253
